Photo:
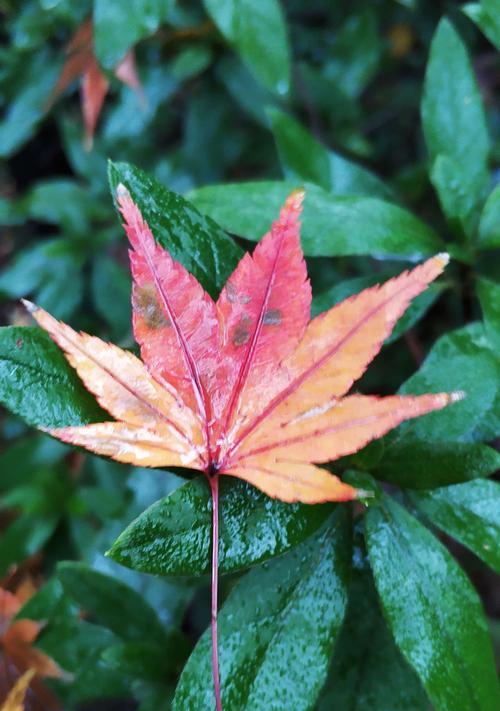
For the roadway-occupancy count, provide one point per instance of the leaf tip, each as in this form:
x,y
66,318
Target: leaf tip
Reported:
x,y
121,192
295,199
442,259
364,494
30,306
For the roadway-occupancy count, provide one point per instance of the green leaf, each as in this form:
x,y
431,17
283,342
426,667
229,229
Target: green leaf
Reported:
x,y
38,384
489,224
470,513
453,118
423,465
276,630
23,538
63,202
192,60
331,225
355,53
19,460
144,660
244,90
194,240
460,360
112,603
44,271
457,200
304,158
173,536
485,15
368,672
26,107
489,296
259,34
111,286
131,117
433,611
118,26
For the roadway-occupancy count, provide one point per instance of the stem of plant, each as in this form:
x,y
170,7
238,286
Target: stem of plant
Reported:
x,y
214,487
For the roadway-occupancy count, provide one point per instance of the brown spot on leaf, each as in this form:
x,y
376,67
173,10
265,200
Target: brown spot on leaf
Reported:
x,y
241,333
146,304
272,317
233,297
231,293
19,343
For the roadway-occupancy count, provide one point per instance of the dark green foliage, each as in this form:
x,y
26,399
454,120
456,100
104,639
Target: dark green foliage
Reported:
x,y
278,629
388,114
173,536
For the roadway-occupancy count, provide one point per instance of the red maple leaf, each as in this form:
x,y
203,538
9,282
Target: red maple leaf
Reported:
x,y
81,62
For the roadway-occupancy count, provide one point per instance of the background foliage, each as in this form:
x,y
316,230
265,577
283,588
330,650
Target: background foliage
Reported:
x,y
388,112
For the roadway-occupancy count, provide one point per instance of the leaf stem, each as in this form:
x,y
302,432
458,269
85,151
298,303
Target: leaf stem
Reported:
x,y
214,487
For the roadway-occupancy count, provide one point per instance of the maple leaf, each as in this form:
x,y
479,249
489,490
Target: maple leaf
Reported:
x,y
81,62
248,386
21,664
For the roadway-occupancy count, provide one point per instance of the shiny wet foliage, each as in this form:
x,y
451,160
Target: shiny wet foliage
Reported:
x,y
388,114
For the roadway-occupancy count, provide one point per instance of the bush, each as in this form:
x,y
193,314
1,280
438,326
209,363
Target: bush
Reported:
x,y
211,114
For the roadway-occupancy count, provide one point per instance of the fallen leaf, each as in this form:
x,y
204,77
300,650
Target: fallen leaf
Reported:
x,y
248,386
15,699
81,62
22,666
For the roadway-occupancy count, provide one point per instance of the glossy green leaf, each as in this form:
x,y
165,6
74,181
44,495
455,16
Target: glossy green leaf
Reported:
x,y
118,26
173,536
459,361
423,465
194,240
433,611
470,513
305,158
489,225
259,34
38,384
486,16
368,672
112,603
276,630
489,296
453,116
331,225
